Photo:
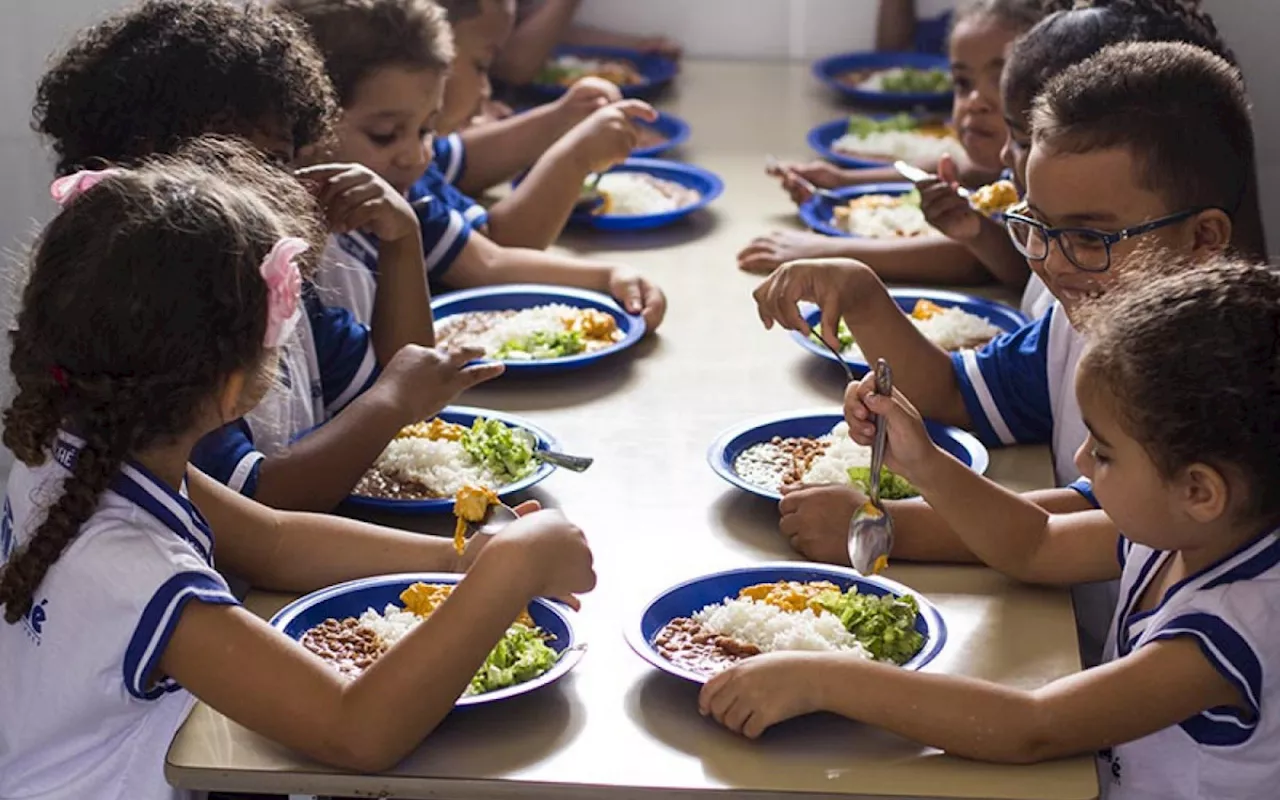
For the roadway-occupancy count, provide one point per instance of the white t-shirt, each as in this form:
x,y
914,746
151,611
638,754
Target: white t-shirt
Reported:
x,y
1230,611
1036,298
82,717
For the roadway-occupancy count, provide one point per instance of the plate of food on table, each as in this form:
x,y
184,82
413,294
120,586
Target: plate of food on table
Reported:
x,y
888,80
644,193
636,74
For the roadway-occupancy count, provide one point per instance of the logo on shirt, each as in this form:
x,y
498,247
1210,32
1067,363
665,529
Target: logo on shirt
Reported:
x,y
34,620
1109,755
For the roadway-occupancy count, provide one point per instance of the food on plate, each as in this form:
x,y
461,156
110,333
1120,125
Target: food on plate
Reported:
x,y
638,194
566,70
353,644
950,327
994,198
470,504
790,615
833,458
883,216
554,330
900,137
898,80
429,460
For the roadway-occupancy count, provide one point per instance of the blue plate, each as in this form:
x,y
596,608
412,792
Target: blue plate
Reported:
x,y
520,296
821,138
672,127
466,415
353,598
685,599
813,424
656,70
818,212
829,69
998,314
707,184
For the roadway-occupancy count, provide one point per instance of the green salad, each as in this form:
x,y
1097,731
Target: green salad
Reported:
x,y
500,448
843,335
542,344
862,125
884,624
911,81
521,655
892,485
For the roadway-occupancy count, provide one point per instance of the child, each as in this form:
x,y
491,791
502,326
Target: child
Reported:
x,y
108,99
983,32
1186,473
390,83
115,618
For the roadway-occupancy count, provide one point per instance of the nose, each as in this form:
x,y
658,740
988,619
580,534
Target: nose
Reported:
x,y
1056,261
1084,461
416,155
1007,153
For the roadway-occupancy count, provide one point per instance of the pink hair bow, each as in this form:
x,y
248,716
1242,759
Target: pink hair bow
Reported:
x,y
69,187
284,287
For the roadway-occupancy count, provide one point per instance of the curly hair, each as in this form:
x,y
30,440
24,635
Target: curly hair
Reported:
x,y
145,295
148,78
359,37
1191,354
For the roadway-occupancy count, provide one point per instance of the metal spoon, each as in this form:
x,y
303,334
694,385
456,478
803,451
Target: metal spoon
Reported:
x,y
495,519
772,163
871,529
848,371
915,175
590,197
571,463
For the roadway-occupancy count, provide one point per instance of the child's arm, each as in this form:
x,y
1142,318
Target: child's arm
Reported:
x,y
896,26
1157,687
922,259
535,212
531,43
241,667
586,36
484,263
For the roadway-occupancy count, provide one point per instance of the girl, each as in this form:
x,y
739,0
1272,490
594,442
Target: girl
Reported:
x,y
982,33
384,57
1185,473
147,78
116,620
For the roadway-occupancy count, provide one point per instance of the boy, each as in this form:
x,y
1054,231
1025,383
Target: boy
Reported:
x,y
1143,145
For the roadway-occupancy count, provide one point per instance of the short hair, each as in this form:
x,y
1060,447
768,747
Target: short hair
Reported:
x,y
360,37
1179,109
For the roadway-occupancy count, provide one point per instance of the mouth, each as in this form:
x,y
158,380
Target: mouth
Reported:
x,y
1074,296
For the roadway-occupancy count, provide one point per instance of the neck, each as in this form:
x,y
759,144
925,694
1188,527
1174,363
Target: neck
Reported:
x,y
1223,542
168,462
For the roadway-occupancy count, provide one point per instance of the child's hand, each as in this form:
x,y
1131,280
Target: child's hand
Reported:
x,y
767,253
585,97
822,174
607,137
420,381
760,692
835,284
552,552
353,197
908,447
815,520
478,541
638,296
943,206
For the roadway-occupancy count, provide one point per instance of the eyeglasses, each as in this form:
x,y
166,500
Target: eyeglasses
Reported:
x,y
1088,249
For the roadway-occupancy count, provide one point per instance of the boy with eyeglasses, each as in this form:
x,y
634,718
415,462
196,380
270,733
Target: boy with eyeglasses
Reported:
x,y
1142,146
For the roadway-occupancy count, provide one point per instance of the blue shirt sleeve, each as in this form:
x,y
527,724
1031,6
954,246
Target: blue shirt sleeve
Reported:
x,y
228,455
344,353
449,156
932,34
1006,386
445,229
1085,488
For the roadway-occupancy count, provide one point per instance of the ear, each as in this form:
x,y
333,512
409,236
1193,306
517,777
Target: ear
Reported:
x,y
1204,493
1211,232
231,397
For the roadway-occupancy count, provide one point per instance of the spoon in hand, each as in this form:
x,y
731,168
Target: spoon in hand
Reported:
x,y
771,163
871,529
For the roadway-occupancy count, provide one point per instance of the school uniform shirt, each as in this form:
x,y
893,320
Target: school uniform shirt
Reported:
x,y
328,362
1036,298
932,34
1229,611
85,714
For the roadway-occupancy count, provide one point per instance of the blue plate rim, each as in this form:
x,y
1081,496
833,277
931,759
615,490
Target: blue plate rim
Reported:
x,y
683,132
669,68
634,635
809,211
978,453
635,331
939,296
442,504
814,139
575,647
822,70
656,166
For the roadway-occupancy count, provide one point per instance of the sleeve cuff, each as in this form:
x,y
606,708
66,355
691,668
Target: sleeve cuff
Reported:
x,y
156,625
442,252
1084,487
360,382
979,402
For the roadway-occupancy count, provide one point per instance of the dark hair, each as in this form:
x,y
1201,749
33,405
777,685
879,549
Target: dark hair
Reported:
x,y
359,37
1179,109
1017,14
1195,345
144,295
462,10
148,78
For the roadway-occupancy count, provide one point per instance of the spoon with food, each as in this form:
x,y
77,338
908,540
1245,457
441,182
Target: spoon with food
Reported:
x,y
871,529
990,200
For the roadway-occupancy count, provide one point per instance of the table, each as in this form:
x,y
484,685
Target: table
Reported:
x,y
656,514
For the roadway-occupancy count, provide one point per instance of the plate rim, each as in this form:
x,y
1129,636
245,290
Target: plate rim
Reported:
x,y
669,68
650,166
809,209
822,71
683,132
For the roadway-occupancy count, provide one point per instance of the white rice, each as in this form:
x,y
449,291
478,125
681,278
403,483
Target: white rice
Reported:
x,y
522,324
841,454
440,465
633,194
875,81
952,329
391,625
896,221
771,629
917,148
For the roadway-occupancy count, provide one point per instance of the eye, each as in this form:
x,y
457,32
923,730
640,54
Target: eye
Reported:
x,y
382,139
962,85
1097,455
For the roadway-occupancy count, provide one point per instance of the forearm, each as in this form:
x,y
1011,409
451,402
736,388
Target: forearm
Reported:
x,y
494,265
318,471
536,211
925,259
498,151
993,248
896,25
402,304
529,46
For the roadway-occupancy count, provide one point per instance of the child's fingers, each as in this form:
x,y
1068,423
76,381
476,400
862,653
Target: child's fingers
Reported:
x,y
637,109
758,262
459,357
527,507
764,304
947,169
830,305
632,297
336,186
477,374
